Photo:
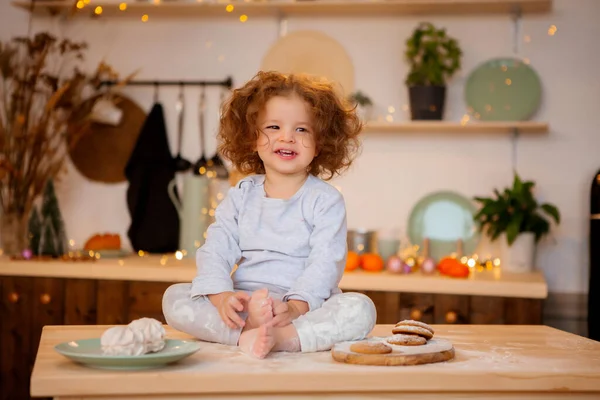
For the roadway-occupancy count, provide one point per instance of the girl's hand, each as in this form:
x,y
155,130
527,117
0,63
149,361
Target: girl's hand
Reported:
x,y
285,312
229,305
281,314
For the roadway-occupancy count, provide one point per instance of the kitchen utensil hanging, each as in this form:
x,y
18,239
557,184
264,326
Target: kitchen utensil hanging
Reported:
x,y
202,166
220,169
181,164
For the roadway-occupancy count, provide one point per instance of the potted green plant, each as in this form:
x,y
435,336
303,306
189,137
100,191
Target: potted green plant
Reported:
x,y
516,219
363,103
433,57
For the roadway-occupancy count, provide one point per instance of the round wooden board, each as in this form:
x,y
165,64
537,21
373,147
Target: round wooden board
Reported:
x,y
102,153
313,53
435,350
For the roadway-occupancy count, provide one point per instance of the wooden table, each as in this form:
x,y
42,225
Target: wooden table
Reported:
x,y
493,362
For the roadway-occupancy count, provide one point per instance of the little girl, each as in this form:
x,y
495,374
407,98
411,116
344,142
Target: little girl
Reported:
x,y
283,227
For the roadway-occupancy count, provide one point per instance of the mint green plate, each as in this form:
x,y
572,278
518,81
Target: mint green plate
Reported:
x,y
89,353
503,89
444,217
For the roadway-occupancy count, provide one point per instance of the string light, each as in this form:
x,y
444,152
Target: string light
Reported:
x,y
98,10
243,18
141,253
178,255
156,2
552,30
229,8
464,119
123,6
80,4
391,109
527,38
221,59
86,1
389,118
508,81
526,61
208,45
145,18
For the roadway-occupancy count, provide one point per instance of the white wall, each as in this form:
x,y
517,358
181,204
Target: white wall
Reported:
x,y
393,172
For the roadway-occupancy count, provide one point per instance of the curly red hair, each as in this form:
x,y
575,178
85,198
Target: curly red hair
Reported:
x,y
336,125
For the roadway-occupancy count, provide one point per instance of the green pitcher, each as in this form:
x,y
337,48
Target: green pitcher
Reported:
x,y
193,211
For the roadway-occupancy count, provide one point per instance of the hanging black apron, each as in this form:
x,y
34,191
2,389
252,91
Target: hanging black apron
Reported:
x,y
154,220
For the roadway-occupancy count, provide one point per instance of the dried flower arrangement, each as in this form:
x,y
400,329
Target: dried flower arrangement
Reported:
x,y
41,89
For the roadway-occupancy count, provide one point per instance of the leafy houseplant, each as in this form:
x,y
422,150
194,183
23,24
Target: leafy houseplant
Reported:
x,y
363,104
40,91
516,214
433,57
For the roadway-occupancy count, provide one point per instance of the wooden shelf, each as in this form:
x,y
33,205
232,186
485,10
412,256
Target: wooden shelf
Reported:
x,y
529,127
189,8
168,269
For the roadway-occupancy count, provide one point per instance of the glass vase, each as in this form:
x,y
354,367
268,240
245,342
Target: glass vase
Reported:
x,y
14,231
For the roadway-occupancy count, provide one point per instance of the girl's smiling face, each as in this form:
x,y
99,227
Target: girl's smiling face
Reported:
x,y
286,142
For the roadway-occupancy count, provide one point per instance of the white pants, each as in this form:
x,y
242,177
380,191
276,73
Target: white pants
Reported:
x,y
345,316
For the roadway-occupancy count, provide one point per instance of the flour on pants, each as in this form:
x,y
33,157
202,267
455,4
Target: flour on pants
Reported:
x,y
345,316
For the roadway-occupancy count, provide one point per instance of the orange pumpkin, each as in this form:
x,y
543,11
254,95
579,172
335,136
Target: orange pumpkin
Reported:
x,y
453,267
352,261
371,262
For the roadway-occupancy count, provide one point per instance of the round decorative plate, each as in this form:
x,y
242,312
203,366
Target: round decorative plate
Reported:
x,y
443,218
89,353
503,89
313,53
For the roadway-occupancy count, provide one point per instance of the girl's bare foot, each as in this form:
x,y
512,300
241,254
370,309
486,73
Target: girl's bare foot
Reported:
x,y
286,339
257,342
260,309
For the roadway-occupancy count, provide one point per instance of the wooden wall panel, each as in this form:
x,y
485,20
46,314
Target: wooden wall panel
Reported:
x,y
522,311
80,302
451,309
112,302
486,310
15,337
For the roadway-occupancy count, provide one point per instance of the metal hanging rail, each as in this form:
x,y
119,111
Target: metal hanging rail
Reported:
x,y
228,83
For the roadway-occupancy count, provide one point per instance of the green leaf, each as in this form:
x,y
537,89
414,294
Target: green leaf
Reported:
x,y
514,228
552,211
517,185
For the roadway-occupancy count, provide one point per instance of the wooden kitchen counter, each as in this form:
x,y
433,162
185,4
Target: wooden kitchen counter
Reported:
x,y
496,362
169,269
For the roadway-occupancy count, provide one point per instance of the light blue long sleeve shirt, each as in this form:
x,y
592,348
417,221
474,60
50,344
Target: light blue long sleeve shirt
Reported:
x,y
295,247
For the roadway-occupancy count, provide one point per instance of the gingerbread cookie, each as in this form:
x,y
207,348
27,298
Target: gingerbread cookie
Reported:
x,y
412,330
365,347
411,322
406,340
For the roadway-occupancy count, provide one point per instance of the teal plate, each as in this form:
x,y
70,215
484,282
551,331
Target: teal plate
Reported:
x,y
503,89
443,218
89,353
